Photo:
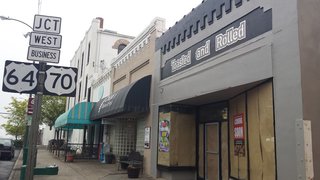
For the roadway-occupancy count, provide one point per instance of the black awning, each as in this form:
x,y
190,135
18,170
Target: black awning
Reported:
x,y
130,100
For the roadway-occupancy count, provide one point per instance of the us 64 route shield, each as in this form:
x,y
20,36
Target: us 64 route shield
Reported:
x,y
20,77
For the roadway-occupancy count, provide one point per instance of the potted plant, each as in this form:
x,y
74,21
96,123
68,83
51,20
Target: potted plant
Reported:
x,y
133,171
70,155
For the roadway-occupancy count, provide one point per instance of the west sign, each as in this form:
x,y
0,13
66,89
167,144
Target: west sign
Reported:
x,y
45,40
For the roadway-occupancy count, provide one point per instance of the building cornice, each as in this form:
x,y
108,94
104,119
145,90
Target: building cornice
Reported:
x,y
138,43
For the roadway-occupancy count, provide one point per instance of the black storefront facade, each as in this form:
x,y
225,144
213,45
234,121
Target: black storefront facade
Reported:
x,y
232,93
120,112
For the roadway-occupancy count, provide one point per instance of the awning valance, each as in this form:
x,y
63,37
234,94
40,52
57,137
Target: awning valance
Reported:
x,y
76,117
131,100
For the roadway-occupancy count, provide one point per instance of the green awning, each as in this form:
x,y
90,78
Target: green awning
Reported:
x,y
76,117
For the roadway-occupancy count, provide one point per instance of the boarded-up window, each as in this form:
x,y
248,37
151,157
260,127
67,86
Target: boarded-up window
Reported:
x,y
258,138
201,158
224,151
238,152
177,138
261,133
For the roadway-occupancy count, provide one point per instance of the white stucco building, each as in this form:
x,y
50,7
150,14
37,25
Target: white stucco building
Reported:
x,y
93,58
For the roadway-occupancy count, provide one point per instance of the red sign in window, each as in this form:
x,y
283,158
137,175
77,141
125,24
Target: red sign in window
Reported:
x,y
238,126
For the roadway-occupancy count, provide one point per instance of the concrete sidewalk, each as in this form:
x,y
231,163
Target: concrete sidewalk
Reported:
x,y
77,170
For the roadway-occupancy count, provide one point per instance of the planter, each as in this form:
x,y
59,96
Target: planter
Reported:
x,y
70,158
133,172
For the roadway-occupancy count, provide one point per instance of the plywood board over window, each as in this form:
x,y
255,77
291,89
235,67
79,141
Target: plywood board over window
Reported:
x,y
238,163
224,151
183,139
201,144
177,140
261,133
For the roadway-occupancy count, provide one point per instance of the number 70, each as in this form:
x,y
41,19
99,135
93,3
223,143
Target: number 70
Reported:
x,y
63,80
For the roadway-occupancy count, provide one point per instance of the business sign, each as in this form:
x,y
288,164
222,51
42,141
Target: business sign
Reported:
x,y
60,81
249,26
47,24
20,77
42,54
45,40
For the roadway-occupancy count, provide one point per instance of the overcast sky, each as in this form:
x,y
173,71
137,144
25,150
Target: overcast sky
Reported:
x,y
129,17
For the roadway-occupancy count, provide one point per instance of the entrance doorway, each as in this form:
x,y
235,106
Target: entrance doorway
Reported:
x,y
209,151
212,151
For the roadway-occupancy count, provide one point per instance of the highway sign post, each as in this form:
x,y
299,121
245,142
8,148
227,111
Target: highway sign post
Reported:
x,y
46,35
39,79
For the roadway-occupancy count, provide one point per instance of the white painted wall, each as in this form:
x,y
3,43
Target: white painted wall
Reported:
x,y
47,134
101,91
101,43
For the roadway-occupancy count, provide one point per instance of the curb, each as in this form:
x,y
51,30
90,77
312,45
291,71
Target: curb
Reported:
x,y
15,166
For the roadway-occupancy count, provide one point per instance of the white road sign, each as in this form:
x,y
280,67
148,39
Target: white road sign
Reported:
x,y
60,81
20,77
47,24
43,54
45,40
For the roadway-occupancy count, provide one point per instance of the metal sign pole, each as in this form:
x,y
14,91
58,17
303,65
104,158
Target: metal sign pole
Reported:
x,y
34,128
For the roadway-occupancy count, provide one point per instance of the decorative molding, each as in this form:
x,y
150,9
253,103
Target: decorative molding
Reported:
x,y
118,42
138,43
105,76
140,66
119,80
205,14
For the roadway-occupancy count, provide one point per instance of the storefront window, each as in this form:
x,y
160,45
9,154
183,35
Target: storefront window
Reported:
x,y
251,127
177,136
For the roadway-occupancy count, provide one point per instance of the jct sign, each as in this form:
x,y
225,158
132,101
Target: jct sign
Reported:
x,y
47,24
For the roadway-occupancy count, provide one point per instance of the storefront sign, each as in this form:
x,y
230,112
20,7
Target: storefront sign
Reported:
x,y
231,36
181,62
107,102
203,51
249,26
